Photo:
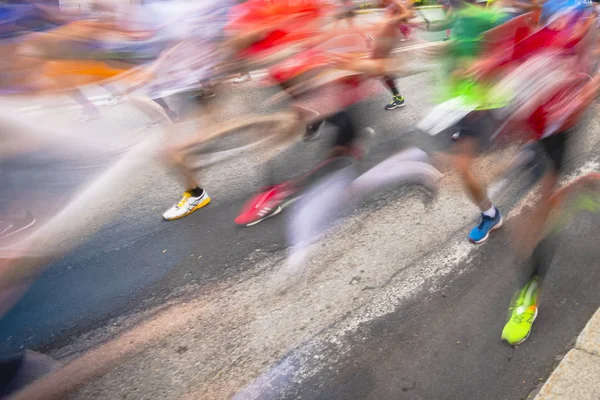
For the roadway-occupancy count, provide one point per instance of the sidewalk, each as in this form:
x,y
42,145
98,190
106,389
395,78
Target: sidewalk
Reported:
x,y
578,374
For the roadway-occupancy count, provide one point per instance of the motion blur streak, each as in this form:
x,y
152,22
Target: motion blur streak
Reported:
x,y
277,102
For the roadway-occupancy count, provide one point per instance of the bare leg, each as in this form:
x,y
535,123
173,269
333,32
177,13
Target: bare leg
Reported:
x,y
463,162
177,161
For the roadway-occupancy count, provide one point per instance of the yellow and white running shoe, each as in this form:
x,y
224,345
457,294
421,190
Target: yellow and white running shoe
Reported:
x,y
187,205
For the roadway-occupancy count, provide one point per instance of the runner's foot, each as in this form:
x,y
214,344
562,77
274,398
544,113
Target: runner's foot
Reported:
x,y
488,224
187,205
397,102
523,312
266,204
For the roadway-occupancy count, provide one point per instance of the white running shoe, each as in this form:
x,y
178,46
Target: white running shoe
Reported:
x,y
242,79
186,206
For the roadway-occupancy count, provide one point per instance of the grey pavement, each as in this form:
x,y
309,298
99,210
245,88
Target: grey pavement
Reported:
x,y
576,377
395,304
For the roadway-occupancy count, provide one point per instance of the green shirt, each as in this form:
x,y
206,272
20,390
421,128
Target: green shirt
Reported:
x,y
468,26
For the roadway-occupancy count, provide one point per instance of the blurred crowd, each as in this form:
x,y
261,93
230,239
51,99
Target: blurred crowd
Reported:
x,y
522,72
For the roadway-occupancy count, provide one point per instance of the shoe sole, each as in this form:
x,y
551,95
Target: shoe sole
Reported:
x,y
528,333
199,206
274,213
398,106
487,236
279,209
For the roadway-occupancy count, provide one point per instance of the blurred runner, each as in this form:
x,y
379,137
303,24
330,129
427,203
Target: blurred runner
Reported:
x,y
396,16
348,12
185,65
547,105
447,13
552,123
468,23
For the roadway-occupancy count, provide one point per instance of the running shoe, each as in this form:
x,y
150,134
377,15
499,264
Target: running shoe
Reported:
x,y
397,102
523,312
313,131
16,223
482,231
187,205
242,79
266,204
446,38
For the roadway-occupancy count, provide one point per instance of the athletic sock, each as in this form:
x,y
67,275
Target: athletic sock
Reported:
x,y
491,212
389,82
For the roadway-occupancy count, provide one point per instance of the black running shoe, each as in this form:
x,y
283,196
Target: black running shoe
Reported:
x,y
397,102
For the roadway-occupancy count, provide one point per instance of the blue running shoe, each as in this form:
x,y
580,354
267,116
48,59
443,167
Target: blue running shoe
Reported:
x,y
481,232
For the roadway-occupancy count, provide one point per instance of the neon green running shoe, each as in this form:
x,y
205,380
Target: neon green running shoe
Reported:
x,y
523,312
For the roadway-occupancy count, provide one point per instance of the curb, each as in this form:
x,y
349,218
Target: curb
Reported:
x,y
576,377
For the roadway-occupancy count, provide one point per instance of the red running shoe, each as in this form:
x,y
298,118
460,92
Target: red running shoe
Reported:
x,y
266,204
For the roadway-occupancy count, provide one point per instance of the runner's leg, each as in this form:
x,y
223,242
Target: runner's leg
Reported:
x,y
524,307
474,129
397,99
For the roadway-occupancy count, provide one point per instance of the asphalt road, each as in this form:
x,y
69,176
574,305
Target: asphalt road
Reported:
x,y
446,343
441,342
124,265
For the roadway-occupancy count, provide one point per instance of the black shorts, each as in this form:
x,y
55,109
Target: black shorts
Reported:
x,y
555,147
484,125
481,125
346,125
